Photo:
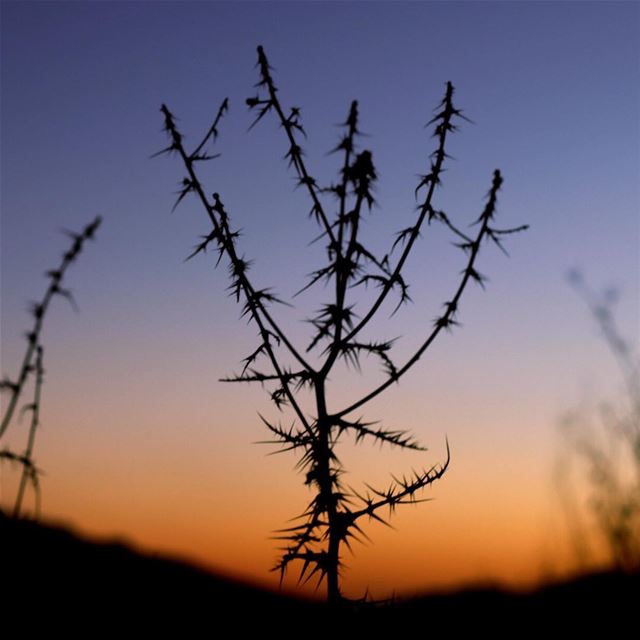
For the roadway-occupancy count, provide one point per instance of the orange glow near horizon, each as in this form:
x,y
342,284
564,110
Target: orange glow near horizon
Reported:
x,y
218,503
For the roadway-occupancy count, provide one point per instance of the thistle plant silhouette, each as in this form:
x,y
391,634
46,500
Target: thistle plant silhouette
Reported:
x,y
334,515
32,366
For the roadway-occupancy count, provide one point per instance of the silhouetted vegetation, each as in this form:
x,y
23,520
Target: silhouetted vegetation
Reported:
x,y
606,446
334,515
59,578
32,366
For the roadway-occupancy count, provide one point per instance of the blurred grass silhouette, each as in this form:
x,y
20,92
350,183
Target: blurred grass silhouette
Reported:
x,y
602,457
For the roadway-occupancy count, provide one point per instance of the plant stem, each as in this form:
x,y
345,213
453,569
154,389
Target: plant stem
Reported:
x,y
29,471
329,499
451,306
39,312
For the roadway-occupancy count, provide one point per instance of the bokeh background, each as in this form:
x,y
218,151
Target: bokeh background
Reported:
x,y
140,440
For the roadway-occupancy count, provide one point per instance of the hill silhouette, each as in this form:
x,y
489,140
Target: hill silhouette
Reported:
x,y
49,568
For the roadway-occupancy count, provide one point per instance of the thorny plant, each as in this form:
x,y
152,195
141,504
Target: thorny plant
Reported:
x,y
32,366
333,517
610,454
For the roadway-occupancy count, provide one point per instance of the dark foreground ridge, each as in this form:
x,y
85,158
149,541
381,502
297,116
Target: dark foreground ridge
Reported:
x,y
46,568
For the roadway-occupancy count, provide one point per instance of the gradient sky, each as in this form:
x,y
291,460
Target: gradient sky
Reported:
x,y
140,440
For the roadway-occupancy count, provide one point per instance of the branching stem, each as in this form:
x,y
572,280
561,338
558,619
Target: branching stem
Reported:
x,y
331,517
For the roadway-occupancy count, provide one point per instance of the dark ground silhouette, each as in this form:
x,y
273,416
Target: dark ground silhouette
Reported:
x,y
64,580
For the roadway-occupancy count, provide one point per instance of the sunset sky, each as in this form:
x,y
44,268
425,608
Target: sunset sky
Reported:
x,y
140,441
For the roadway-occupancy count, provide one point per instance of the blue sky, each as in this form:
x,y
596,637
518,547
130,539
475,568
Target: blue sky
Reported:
x,y
552,89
